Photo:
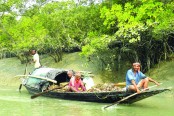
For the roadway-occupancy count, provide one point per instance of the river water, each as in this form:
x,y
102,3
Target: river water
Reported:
x,y
14,103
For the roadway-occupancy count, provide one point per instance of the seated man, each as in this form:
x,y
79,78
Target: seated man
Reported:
x,y
76,84
70,74
135,79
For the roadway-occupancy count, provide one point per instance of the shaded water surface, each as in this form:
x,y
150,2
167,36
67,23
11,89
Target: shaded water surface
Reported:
x,y
13,103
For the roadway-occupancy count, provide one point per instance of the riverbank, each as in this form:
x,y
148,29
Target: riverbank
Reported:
x,y
11,67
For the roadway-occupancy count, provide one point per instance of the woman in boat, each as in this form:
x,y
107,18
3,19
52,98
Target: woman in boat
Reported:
x,y
76,84
136,80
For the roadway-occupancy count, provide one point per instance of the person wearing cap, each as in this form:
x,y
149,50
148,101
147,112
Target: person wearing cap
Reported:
x,y
136,80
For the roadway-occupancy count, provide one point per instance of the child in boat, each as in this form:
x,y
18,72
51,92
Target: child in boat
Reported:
x,y
76,84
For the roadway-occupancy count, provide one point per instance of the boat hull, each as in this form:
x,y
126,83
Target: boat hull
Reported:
x,y
100,97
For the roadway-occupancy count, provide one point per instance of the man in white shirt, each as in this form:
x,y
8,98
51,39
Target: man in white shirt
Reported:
x,y
36,59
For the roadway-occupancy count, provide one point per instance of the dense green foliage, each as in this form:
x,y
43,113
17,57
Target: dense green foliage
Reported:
x,y
113,31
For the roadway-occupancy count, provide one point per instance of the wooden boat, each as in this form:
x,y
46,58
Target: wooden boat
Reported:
x,y
41,78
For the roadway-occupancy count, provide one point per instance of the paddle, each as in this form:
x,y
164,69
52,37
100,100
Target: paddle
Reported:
x,y
116,103
41,93
20,86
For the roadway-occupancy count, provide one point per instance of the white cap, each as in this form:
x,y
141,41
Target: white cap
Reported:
x,y
136,63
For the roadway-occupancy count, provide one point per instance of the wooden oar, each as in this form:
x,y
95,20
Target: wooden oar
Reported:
x,y
41,93
20,86
116,103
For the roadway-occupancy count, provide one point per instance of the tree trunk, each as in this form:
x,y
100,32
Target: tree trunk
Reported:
x,y
165,50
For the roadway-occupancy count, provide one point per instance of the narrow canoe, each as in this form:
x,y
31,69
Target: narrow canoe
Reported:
x,y
36,85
